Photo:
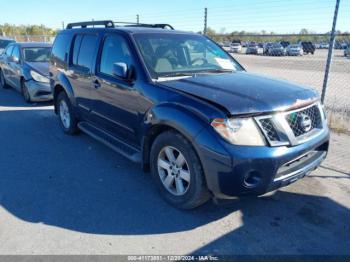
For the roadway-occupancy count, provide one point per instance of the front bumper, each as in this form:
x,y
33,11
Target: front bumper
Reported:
x,y
232,170
39,91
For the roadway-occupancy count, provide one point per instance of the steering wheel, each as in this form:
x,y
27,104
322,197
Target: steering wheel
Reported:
x,y
204,61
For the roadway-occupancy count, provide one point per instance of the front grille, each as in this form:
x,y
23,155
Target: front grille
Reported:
x,y
269,129
292,128
311,115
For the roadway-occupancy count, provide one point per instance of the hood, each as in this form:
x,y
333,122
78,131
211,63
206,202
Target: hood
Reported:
x,y
244,93
40,67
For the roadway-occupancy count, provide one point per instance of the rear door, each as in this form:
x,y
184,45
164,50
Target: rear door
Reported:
x,y
6,64
83,55
15,68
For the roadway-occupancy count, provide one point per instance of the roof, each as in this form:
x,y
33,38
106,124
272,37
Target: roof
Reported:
x,y
33,44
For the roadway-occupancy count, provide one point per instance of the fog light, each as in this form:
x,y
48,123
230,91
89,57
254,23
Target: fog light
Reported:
x,y
252,179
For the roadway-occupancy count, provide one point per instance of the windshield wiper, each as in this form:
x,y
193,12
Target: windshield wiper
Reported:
x,y
177,74
217,70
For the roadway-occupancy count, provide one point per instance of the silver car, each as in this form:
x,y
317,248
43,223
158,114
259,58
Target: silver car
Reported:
x,y
295,50
4,42
347,51
25,67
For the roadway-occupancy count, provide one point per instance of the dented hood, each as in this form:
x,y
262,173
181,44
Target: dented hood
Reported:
x,y
244,93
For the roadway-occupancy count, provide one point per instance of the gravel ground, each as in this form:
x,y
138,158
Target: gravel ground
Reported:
x,y
71,195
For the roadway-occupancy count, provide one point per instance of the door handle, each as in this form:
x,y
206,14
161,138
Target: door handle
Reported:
x,y
97,84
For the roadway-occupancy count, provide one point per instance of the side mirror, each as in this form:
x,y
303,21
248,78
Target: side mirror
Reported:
x,y
13,59
120,70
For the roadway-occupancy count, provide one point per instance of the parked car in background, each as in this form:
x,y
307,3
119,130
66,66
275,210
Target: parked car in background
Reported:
x,y
285,44
236,48
226,46
4,42
347,51
252,48
308,47
25,67
199,122
276,49
266,47
324,45
294,50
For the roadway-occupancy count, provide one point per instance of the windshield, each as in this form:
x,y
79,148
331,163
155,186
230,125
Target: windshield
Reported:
x,y
277,45
236,44
294,46
36,54
5,43
169,55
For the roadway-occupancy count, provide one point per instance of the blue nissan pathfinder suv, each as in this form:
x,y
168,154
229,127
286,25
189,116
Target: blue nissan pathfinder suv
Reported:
x,y
183,108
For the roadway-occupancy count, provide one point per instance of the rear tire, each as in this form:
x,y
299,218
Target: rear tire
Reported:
x,y
179,178
68,120
3,84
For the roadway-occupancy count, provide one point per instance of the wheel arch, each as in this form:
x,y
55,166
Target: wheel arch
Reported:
x,y
169,118
63,85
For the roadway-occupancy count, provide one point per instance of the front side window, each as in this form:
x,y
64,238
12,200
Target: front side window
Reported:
x,y
169,55
60,49
36,54
115,50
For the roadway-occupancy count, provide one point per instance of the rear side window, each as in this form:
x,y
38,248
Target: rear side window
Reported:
x,y
8,51
76,48
16,52
84,57
60,49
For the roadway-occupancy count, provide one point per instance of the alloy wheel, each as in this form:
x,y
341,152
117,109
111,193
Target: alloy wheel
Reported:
x,y
64,114
174,171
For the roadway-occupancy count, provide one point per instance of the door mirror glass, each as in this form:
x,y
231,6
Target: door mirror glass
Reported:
x,y
120,70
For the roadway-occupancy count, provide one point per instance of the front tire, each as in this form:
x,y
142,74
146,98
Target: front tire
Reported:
x,y
177,171
68,120
25,92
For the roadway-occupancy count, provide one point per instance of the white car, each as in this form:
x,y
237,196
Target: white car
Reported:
x,y
236,48
295,50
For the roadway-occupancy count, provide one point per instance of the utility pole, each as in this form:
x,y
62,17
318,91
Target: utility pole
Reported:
x,y
205,20
137,19
62,25
330,52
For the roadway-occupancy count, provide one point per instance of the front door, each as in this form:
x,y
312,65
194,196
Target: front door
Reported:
x,y
116,100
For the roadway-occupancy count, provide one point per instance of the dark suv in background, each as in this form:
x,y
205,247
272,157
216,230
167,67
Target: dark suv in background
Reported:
x,y
181,106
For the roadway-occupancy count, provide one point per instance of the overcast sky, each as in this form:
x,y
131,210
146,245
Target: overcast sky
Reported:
x,y
284,16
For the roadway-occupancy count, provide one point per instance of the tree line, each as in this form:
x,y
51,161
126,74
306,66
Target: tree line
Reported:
x,y
23,30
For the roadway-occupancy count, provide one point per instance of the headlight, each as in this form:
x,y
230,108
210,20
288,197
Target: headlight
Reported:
x,y
239,131
38,77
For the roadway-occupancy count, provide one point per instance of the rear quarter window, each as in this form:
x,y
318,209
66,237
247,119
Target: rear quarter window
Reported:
x,y
60,50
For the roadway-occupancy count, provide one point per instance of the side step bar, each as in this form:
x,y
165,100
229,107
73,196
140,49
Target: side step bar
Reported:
x,y
111,141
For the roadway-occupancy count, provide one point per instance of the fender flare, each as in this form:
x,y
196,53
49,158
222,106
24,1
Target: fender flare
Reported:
x,y
169,116
64,83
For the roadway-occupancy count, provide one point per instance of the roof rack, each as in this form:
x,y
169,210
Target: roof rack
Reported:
x,y
131,24
111,24
106,23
